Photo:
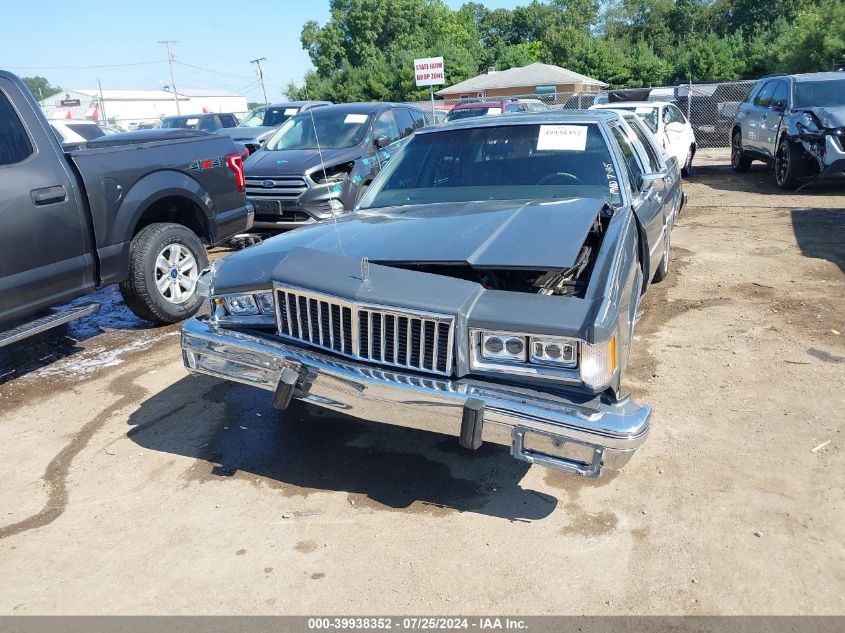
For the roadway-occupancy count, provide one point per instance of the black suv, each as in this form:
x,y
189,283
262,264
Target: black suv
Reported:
x,y
794,122
318,162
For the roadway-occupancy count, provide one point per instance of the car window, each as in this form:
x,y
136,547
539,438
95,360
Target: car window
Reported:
x,y
404,121
633,167
653,159
675,115
207,124
419,119
14,141
514,107
506,162
88,132
764,99
228,120
385,125
824,94
780,95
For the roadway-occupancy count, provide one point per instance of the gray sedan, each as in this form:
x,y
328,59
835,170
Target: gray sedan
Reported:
x,y
485,287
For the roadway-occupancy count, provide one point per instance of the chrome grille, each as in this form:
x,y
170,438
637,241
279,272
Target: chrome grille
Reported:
x,y
387,336
284,187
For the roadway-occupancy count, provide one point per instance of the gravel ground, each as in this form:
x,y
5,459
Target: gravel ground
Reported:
x,y
130,487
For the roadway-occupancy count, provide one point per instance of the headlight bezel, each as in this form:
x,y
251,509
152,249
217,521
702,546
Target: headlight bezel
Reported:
x,y
571,372
263,301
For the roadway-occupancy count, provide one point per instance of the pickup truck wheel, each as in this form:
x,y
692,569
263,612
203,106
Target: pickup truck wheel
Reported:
x,y
789,164
165,261
739,161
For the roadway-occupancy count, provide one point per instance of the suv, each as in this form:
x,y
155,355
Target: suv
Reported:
x,y
485,108
318,162
794,122
260,124
204,122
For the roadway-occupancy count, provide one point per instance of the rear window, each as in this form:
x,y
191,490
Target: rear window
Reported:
x,y
14,142
177,122
468,113
88,132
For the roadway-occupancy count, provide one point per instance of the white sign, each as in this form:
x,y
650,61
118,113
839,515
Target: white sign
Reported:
x,y
356,118
562,137
291,111
429,71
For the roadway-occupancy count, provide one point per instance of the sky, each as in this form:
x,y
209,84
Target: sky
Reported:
x,y
63,40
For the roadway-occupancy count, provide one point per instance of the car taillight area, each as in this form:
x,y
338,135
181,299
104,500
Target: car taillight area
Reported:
x,y
236,164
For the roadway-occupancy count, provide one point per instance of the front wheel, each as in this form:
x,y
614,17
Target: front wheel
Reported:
x,y
686,170
789,164
739,161
165,261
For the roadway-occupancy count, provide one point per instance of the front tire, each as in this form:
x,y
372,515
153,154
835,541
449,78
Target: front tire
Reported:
x,y
165,261
686,170
740,163
789,164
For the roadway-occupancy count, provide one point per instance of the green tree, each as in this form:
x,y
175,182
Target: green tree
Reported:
x,y
40,87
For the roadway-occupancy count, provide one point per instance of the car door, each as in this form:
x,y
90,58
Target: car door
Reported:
x,y
386,137
754,132
770,121
676,134
46,256
649,203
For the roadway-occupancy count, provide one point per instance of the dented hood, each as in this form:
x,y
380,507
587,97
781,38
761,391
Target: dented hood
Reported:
x,y
535,235
830,116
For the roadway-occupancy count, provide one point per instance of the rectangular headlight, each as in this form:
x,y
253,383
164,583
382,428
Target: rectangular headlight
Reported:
x,y
265,302
503,346
240,305
554,350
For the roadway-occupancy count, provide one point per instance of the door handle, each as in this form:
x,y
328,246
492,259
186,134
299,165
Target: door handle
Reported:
x,y
763,117
48,195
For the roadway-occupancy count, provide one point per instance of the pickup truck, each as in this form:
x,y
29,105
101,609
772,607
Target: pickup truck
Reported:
x,y
136,209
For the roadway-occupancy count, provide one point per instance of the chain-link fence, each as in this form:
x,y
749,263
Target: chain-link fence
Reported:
x,y
710,107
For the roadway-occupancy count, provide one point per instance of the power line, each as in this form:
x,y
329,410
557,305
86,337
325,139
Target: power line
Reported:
x,y
81,67
215,72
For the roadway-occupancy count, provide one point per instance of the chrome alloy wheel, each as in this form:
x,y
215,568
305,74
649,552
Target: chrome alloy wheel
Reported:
x,y
176,273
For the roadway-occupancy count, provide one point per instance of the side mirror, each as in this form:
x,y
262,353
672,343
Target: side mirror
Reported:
x,y
382,142
776,106
656,181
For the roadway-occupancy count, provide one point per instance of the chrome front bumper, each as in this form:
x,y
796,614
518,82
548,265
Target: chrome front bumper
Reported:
x,y
580,437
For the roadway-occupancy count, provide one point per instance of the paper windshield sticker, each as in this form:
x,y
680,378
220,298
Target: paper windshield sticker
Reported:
x,y
192,121
562,137
355,118
291,111
643,110
493,111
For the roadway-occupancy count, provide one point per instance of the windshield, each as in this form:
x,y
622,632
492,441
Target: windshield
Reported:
x,y
178,122
272,116
811,94
508,162
646,113
468,113
334,129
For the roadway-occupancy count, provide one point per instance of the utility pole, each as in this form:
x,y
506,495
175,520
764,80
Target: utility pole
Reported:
x,y
102,102
260,72
170,61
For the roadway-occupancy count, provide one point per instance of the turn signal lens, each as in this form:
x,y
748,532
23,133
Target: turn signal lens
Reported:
x,y
598,363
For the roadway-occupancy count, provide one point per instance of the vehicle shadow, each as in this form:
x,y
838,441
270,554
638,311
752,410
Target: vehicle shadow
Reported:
x,y
760,179
38,351
821,234
234,432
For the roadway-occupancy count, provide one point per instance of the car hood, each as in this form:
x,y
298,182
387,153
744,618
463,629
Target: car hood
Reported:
x,y
267,163
535,235
829,117
247,133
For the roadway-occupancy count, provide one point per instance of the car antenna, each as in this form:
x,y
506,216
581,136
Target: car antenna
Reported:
x,y
323,167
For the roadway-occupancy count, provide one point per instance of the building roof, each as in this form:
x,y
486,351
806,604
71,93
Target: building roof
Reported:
x,y
532,75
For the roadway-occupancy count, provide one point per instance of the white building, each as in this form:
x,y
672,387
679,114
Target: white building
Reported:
x,y
128,108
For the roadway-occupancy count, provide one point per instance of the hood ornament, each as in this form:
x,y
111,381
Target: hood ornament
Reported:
x,y
365,269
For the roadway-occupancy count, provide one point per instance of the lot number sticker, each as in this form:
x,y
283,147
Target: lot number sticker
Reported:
x,y
291,111
355,118
562,137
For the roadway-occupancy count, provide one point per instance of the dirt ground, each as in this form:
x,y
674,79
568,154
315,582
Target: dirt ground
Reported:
x,y
130,487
